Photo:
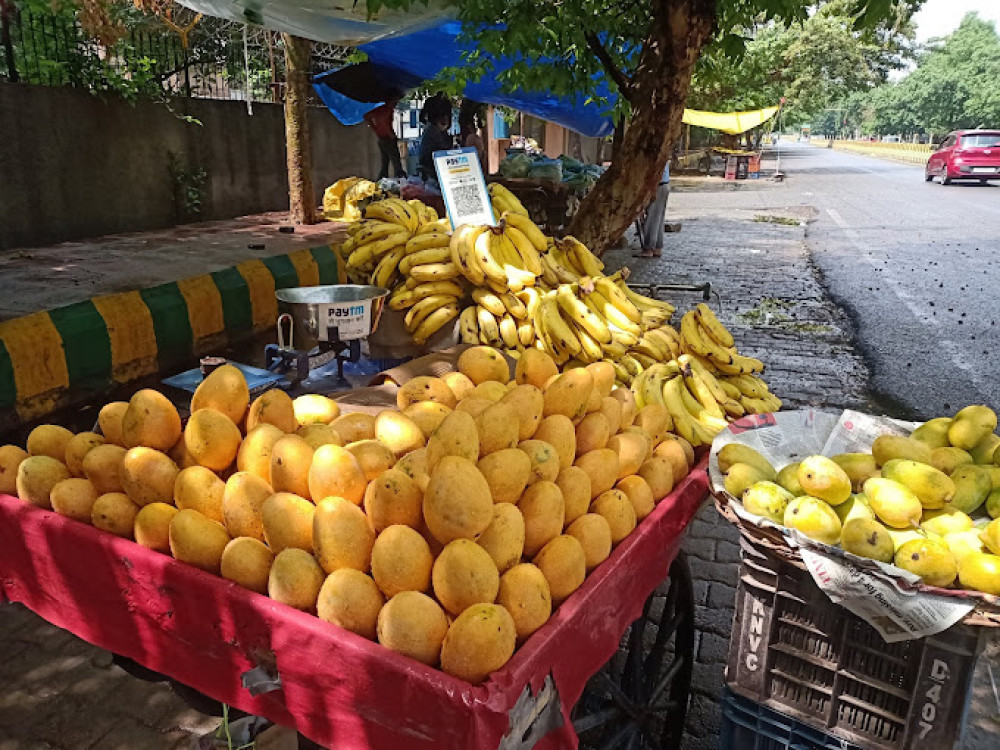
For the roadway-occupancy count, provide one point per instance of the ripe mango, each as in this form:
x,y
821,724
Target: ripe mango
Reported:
x,y
944,521
985,449
483,363
934,433
855,507
768,500
741,477
962,543
887,447
342,535
972,486
980,572
224,390
11,457
737,453
312,408
991,537
504,538
524,593
902,536
401,561
894,504
295,579
821,477
414,625
197,540
866,537
564,565
934,488
971,425
860,467
993,503
948,459
464,574
928,558
351,600
814,518
49,440
245,561
479,641
788,478
78,447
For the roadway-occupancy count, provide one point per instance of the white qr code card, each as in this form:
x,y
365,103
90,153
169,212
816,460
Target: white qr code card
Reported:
x,y
463,187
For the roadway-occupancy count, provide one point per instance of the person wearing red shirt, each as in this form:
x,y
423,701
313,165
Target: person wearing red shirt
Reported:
x,y
380,121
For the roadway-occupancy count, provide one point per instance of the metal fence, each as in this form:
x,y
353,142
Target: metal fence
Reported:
x,y
220,60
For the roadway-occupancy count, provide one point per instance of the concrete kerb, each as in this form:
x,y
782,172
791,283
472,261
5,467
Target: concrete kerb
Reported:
x,y
53,358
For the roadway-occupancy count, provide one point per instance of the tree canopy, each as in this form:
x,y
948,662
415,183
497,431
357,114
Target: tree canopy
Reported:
x,y
953,86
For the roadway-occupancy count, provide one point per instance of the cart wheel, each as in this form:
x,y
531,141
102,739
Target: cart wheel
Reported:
x,y
639,698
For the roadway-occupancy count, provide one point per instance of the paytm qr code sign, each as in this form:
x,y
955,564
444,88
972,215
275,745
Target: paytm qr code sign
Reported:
x,y
344,321
463,187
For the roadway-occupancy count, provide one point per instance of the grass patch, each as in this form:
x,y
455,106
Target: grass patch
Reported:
x,y
782,220
771,311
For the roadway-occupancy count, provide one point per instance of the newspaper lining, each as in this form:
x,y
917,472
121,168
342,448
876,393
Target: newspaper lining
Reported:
x,y
878,593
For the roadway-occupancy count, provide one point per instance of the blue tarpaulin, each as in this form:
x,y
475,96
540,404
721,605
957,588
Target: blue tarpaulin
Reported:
x,y
426,52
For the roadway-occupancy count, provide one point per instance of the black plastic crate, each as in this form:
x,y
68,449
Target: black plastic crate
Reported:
x,y
794,650
747,725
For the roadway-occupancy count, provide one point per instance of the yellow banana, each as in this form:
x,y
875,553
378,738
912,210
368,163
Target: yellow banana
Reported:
x,y
514,306
621,374
698,343
560,264
734,409
653,318
489,300
529,297
500,191
410,215
529,229
666,342
585,259
423,257
632,364
614,350
468,326
434,272
389,210
643,359
732,391
470,264
416,314
375,230
375,249
750,386
525,249
451,287
718,392
590,349
525,333
617,297
755,405
702,393
435,322
643,302
711,323
582,315
508,332
484,255
624,338
433,227
419,242
387,266
558,329
600,304
489,329
549,276
684,424
649,348
401,299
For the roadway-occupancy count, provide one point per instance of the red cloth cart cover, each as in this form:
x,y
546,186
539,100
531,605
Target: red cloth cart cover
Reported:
x,y
338,689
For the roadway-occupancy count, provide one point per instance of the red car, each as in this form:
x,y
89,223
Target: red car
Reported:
x,y
966,155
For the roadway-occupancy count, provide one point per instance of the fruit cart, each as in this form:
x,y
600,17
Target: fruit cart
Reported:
x,y
341,690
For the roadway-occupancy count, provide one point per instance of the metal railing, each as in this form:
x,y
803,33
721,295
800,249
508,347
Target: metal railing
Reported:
x,y
221,60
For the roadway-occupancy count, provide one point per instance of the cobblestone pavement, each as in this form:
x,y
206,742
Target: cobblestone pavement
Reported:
x,y
749,243
751,247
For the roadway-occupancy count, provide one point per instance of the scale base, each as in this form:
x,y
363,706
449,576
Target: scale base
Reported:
x,y
326,377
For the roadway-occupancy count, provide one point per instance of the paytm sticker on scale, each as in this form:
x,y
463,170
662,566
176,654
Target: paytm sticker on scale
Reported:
x,y
344,321
460,176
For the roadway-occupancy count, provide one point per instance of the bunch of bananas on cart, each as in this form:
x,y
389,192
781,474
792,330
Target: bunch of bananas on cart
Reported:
x,y
512,287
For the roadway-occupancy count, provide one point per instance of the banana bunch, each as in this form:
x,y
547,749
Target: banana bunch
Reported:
x,y
751,392
704,336
503,320
505,201
566,260
502,258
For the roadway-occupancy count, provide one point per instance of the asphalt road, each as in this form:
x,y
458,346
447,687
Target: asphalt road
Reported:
x,y
917,267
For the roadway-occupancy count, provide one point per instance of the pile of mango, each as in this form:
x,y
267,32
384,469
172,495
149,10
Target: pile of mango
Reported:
x,y
928,503
447,529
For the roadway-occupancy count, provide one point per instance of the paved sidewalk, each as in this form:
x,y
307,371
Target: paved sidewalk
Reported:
x,y
751,247
46,277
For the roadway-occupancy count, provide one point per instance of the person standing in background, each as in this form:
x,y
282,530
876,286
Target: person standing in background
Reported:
x,y
652,229
380,120
437,116
470,123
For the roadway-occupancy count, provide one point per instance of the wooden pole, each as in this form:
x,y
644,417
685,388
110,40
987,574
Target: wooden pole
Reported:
x,y
301,196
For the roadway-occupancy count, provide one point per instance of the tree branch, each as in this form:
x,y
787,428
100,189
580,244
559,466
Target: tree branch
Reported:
x,y
621,80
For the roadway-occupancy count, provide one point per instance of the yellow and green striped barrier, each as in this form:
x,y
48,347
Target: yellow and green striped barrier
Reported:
x,y
91,345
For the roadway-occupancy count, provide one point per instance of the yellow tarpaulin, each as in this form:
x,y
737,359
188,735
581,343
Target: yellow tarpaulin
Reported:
x,y
732,123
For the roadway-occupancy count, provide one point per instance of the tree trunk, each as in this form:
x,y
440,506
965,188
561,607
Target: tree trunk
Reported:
x,y
680,28
301,196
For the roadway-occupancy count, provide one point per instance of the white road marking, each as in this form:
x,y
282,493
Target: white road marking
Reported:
x,y
912,304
